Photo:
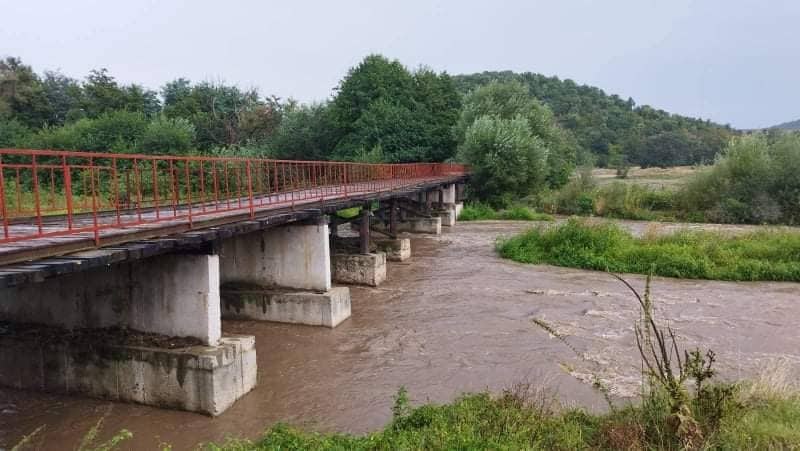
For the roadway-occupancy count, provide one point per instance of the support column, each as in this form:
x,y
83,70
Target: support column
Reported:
x,y
363,234
291,256
364,268
283,275
393,217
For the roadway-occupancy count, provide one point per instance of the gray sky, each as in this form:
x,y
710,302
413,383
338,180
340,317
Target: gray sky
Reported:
x,y
734,61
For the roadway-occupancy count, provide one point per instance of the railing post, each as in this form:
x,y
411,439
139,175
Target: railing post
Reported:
x,y
95,227
250,190
67,190
186,170
3,200
36,193
155,189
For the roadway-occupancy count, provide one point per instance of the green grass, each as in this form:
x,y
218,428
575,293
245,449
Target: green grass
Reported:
x,y
512,422
766,255
482,212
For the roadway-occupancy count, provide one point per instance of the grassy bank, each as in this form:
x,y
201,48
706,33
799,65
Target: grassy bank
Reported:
x,y
767,255
519,420
482,212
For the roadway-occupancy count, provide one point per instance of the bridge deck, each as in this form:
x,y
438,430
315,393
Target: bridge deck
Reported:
x,y
185,226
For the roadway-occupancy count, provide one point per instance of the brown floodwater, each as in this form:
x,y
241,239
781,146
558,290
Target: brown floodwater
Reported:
x,y
453,319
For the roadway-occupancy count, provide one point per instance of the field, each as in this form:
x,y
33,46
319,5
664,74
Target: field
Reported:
x,y
655,178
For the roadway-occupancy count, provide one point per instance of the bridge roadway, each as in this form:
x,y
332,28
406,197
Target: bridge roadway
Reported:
x,y
36,259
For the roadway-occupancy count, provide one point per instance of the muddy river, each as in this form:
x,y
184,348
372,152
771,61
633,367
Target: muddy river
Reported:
x,y
454,318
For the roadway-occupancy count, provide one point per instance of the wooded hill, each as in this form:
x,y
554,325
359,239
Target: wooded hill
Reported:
x,y
604,123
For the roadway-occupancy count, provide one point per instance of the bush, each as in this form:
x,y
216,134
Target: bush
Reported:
x,y
767,255
164,136
117,131
479,211
754,181
13,134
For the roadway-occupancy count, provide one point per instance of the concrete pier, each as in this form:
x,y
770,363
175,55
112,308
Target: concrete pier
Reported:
x,y
417,225
203,379
282,275
396,249
173,295
292,256
361,269
327,309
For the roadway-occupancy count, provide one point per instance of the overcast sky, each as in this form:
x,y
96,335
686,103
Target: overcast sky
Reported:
x,y
734,61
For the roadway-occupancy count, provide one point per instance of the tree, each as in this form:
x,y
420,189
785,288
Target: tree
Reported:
x,y
305,133
65,97
22,95
409,116
508,161
373,79
511,100
167,136
102,94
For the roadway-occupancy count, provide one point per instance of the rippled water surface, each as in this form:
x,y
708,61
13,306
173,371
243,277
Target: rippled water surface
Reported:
x,y
454,318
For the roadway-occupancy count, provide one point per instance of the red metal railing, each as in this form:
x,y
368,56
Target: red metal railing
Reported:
x,y
46,193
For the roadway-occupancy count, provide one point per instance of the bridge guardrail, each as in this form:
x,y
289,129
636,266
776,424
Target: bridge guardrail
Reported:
x,y
50,193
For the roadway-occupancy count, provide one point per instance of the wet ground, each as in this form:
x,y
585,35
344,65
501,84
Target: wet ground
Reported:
x,y
454,318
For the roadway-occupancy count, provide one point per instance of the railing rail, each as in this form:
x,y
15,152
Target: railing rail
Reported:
x,y
49,193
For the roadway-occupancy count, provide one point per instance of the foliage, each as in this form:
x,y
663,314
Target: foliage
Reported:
x,y
766,255
167,136
306,132
409,115
754,181
222,115
508,161
478,211
13,133
598,120
509,105
116,131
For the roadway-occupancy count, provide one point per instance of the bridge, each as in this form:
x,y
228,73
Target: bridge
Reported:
x,y
116,269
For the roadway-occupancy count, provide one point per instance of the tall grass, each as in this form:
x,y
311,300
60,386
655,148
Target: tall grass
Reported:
x,y
766,255
482,212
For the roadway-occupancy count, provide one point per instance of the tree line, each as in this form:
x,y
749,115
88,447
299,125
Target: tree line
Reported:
x,y
520,132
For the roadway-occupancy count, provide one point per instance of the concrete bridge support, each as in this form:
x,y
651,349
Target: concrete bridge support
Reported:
x,y
107,334
363,267
282,274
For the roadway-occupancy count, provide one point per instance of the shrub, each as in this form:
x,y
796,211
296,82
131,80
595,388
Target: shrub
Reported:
x,y
768,255
479,211
167,136
754,181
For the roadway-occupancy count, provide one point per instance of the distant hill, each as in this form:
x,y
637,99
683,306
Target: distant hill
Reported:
x,y
793,125
599,121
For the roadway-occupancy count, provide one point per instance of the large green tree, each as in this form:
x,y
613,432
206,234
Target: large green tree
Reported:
x,y
511,101
408,116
